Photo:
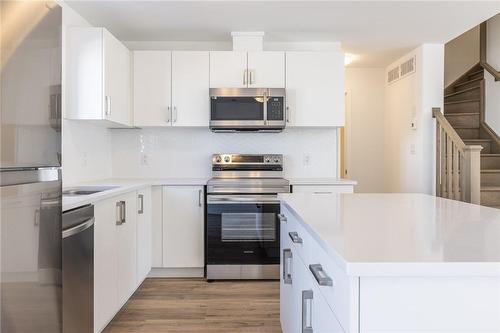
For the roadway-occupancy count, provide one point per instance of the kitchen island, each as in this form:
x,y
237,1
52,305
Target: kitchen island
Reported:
x,y
388,263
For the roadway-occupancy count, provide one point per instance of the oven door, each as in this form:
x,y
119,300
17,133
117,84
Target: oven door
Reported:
x,y
242,230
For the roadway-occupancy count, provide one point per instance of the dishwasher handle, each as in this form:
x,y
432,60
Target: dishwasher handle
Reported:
x,y
78,228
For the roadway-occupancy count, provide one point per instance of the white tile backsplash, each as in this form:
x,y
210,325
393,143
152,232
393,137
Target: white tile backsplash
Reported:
x,y
186,152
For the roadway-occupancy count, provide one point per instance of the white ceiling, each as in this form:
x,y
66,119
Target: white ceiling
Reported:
x,y
377,31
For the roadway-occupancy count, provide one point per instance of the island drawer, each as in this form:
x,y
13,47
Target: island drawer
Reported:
x,y
342,294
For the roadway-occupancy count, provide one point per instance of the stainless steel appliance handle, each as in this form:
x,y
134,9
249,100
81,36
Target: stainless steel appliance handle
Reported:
x,y
320,275
287,260
307,309
168,114
230,199
294,236
282,218
79,228
175,114
18,176
124,211
108,105
141,200
199,197
119,211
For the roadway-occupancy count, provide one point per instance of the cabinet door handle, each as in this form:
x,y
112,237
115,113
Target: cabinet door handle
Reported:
x,y
322,192
108,105
320,275
287,114
294,236
141,201
307,311
282,218
175,114
168,114
245,74
287,271
199,197
252,74
124,212
119,218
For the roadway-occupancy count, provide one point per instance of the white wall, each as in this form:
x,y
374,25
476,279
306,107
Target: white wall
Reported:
x,y
461,54
365,127
493,42
86,149
492,102
186,152
409,154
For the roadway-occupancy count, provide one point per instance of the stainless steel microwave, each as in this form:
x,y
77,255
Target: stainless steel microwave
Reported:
x,y
247,109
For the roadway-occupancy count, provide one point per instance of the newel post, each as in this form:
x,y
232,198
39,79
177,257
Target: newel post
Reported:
x,y
472,174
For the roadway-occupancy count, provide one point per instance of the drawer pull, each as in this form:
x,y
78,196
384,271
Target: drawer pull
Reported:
x,y
320,275
307,311
295,237
287,271
282,218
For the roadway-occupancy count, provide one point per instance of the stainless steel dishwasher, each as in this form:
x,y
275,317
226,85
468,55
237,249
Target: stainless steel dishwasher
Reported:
x,y
78,270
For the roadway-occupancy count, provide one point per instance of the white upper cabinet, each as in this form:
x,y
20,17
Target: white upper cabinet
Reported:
x,y
98,78
228,69
152,88
171,88
236,69
190,81
315,89
266,69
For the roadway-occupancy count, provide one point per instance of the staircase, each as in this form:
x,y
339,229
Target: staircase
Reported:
x,y
464,110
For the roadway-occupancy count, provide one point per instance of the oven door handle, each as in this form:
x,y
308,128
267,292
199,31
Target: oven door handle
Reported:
x,y
231,199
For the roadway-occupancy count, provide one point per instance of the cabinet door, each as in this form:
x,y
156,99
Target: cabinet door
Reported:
x,y
183,226
310,306
228,69
116,80
105,262
152,88
315,89
157,226
190,82
143,233
266,69
127,249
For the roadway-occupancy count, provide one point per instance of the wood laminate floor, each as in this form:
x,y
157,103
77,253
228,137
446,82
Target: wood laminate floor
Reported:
x,y
194,305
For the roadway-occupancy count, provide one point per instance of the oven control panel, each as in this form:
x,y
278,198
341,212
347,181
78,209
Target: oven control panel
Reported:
x,y
247,159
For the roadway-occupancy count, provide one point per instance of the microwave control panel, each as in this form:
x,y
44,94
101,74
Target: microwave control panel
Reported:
x,y
275,108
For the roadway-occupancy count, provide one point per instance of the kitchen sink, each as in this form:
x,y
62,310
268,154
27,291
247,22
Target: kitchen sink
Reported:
x,y
87,190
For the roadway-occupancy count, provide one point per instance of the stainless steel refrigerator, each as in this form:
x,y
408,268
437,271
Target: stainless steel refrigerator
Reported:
x,y
30,178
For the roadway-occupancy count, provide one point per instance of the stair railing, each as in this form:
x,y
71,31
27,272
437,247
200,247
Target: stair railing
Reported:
x,y
458,166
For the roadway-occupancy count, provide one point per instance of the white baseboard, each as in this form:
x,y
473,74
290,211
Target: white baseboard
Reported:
x,y
191,272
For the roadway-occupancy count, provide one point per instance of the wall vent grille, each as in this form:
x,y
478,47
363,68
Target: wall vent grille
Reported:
x,y
393,74
404,69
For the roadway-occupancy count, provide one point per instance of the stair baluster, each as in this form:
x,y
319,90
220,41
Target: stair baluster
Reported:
x,y
458,172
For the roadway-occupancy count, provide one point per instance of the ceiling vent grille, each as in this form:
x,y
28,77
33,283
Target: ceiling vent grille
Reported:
x,y
404,69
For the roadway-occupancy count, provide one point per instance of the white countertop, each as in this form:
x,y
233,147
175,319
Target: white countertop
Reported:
x,y
322,181
124,185
401,234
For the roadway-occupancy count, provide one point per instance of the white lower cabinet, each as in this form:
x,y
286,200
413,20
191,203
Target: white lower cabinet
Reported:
x,y
144,222
302,306
323,189
183,227
117,258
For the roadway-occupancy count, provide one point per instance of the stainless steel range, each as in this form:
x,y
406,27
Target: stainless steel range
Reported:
x,y
242,232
